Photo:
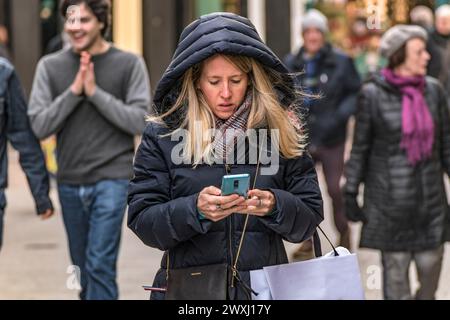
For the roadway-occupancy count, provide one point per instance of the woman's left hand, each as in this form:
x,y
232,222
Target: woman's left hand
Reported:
x,y
259,203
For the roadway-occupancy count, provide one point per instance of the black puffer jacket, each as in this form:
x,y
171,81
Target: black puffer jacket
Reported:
x,y
339,86
405,206
163,196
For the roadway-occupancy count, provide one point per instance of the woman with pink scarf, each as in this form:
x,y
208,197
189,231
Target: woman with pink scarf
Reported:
x,y
401,150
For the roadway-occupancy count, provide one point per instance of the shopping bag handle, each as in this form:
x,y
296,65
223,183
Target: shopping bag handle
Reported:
x,y
317,245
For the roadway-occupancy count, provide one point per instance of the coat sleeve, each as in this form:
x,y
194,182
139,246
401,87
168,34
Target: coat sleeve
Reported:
x,y
355,168
47,114
21,136
128,115
299,208
157,219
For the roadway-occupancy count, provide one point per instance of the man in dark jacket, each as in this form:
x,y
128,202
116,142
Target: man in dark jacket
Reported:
x,y
439,48
331,75
15,127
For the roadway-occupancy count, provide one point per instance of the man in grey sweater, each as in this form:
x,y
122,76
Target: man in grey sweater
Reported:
x,y
94,97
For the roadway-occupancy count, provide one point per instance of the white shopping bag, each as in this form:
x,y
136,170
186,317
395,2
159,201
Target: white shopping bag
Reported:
x,y
326,278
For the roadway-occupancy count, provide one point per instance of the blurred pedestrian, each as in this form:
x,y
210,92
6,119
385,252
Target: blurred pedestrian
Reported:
x,y
234,85
422,16
400,151
15,128
332,74
439,48
94,97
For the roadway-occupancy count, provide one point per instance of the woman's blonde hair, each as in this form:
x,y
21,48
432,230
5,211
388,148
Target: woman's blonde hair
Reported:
x,y
266,111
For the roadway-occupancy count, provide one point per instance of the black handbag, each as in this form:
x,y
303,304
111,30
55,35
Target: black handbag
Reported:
x,y
207,282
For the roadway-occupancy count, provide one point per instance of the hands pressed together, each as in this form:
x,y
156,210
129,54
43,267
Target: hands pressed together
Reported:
x,y
85,79
216,207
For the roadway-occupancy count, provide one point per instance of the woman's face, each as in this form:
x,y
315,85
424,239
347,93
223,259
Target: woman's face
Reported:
x,y
417,58
223,85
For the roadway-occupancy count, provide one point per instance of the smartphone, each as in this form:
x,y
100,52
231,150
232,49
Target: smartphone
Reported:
x,y
235,184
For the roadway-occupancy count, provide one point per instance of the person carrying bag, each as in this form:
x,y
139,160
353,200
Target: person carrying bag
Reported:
x,y
225,102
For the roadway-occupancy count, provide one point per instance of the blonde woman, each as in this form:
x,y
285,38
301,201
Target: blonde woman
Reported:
x,y
224,105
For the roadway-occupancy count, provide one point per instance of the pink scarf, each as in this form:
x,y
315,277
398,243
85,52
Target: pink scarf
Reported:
x,y
417,122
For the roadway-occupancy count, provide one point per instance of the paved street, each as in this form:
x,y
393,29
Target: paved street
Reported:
x,y
34,260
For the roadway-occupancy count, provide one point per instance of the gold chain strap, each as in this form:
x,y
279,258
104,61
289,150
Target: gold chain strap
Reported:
x,y
234,267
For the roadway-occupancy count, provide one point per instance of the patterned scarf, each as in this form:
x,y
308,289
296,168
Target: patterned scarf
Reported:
x,y
225,138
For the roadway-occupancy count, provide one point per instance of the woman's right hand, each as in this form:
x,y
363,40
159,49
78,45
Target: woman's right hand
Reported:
x,y
216,207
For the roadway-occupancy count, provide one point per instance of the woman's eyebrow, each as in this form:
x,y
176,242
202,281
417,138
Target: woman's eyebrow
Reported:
x,y
220,77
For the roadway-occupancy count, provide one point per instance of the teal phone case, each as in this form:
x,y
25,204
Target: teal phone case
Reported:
x,y
235,184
